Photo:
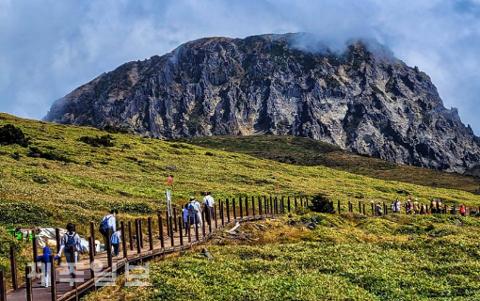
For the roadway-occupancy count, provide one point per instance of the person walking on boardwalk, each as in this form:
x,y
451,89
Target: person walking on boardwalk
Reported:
x,y
463,210
209,203
70,244
44,259
195,211
108,224
116,240
186,218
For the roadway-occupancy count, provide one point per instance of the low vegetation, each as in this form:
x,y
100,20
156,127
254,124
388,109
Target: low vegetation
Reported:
x,y
309,152
60,176
339,258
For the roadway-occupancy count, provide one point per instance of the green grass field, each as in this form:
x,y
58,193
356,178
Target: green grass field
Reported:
x,y
60,178
342,258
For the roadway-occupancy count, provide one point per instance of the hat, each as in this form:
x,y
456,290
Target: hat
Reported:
x,y
192,198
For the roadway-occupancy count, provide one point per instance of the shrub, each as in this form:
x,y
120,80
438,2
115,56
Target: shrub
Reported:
x,y
105,140
14,213
321,203
10,134
36,152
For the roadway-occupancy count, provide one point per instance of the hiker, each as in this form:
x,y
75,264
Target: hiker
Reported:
x,y
408,206
378,209
108,223
46,265
396,206
416,206
463,210
185,218
115,241
433,206
209,203
423,209
195,211
70,245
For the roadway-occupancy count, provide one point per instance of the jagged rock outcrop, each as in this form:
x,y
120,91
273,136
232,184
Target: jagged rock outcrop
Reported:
x,y
361,99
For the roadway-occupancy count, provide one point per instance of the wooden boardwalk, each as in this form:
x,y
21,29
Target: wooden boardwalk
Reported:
x,y
140,246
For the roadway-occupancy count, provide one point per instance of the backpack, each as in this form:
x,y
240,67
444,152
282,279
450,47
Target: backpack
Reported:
x,y
191,209
104,226
71,243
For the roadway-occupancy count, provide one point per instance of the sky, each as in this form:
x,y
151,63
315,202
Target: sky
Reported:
x,y
50,47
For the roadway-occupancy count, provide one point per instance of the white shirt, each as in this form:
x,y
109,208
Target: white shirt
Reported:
x,y
112,223
196,205
209,201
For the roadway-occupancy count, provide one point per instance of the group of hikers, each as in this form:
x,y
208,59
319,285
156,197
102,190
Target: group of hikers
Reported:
x,y
415,207
192,211
70,242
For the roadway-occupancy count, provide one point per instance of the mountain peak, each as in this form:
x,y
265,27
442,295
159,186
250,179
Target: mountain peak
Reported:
x,y
357,96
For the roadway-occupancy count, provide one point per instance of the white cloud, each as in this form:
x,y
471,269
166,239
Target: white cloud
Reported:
x,y
49,47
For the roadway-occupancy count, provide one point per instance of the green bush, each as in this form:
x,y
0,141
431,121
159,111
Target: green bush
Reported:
x,y
105,140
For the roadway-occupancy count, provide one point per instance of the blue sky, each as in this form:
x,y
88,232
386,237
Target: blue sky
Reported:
x,y
49,47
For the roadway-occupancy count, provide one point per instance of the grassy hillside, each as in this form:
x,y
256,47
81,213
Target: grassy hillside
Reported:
x,y
60,177
309,152
342,258
69,173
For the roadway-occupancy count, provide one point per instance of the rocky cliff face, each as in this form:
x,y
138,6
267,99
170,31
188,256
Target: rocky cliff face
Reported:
x,y
361,99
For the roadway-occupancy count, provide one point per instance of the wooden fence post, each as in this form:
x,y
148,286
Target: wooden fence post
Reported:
x,y
288,204
130,235
109,248
240,201
372,207
196,229
189,231
338,206
234,210
259,200
246,207
92,235
53,277
34,251
215,207
203,224
137,234
364,211
91,256
28,282
57,238
150,233
272,211
172,237
160,230
3,286
140,228
180,230
222,214
124,241
175,218
228,211
301,202
295,202
13,268
253,206
282,204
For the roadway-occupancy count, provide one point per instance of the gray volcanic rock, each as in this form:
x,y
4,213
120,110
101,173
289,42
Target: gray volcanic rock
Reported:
x,y
361,99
